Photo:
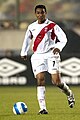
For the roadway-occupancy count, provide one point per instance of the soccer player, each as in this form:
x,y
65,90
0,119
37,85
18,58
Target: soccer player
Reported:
x,y
48,41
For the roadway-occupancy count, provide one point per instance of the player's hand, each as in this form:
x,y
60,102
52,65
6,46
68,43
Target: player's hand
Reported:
x,y
24,57
56,51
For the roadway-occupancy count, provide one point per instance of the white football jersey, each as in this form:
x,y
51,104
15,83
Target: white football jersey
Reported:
x,y
45,36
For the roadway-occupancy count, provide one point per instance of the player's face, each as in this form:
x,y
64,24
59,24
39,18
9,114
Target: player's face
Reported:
x,y
41,15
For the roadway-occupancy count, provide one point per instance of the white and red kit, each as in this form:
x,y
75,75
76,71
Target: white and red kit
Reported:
x,y
45,36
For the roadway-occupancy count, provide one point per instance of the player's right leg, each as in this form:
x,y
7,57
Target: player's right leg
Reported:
x,y
41,93
39,68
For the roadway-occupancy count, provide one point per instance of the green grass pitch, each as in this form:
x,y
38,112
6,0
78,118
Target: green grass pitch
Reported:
x,y
56,101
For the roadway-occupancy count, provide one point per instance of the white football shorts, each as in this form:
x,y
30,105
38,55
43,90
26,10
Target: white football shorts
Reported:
x,y
45,62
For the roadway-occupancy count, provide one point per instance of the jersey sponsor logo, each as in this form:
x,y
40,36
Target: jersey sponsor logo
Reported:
x,y
33,29
41,35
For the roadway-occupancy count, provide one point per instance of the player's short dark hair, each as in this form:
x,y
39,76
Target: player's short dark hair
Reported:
x,y
40,6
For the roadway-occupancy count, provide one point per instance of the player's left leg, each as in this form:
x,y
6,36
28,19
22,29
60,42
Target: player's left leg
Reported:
x,y
63,86
53,69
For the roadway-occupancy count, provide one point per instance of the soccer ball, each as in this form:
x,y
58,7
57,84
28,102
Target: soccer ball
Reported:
x,y
20,108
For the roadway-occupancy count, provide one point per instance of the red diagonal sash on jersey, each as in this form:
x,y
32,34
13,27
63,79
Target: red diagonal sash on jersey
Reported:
x,y
41,35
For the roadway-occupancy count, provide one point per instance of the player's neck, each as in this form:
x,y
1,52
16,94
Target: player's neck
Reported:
x,y
41,22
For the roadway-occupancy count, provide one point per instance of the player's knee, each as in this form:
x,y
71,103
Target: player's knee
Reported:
x,y
57,83
40,81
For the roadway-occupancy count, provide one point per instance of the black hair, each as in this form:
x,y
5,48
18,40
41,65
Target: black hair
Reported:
x,y
40,6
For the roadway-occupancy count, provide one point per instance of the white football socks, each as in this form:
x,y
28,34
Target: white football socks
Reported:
x,y
41,97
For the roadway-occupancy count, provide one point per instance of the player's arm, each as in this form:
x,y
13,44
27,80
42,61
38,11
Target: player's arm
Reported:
x,y
62,40
26,44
